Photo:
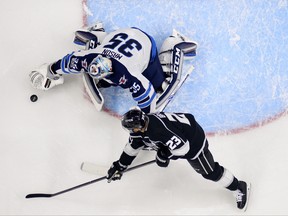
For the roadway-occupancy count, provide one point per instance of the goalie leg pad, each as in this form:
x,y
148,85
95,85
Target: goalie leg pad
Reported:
x,y
91,37
175,76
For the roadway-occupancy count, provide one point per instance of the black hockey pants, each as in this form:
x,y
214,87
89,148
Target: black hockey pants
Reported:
x,y
205,165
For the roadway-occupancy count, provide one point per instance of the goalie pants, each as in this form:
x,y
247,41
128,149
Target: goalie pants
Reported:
x,y
205,165
154,71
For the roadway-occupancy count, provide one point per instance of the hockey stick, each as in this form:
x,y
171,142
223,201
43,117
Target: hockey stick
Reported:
x,y
91,88
44,195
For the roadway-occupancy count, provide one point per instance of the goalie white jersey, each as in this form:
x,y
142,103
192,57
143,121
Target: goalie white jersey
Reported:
x,y
134,51
135,64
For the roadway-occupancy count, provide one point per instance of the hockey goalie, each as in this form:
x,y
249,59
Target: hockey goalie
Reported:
x,y
127,58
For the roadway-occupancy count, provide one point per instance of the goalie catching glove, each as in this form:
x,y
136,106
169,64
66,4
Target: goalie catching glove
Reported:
x,y
116,171
44,78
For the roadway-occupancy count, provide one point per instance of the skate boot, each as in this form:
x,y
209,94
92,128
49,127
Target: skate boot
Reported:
x,y
98,26
242,195
185,44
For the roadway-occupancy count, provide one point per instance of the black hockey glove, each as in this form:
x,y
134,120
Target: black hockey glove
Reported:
x,y
162,159
115,172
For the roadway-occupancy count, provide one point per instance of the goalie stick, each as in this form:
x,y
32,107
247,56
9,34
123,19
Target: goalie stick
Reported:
x,y
163,106
46,195
93,92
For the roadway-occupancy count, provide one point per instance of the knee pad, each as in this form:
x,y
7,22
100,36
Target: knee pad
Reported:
x,y
216,174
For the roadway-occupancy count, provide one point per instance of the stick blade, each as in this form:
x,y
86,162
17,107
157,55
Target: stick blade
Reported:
x,y
94,169
38,195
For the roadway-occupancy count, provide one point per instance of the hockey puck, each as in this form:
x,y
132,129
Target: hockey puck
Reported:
x,y
33,98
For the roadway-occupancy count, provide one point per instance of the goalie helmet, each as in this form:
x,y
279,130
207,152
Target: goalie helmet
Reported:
x,y
134,118
100,67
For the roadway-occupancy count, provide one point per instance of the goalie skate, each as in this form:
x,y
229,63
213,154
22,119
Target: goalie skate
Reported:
x,y
189,47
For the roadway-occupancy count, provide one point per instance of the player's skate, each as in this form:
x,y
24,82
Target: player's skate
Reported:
x,y
242,195
172,53
98,26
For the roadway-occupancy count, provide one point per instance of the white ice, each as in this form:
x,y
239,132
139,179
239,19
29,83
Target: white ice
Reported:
x,y
44,143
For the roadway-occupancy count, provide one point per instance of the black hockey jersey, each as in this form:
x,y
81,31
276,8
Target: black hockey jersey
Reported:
x,y
179,132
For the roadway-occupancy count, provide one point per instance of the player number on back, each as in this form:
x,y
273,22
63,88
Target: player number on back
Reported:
x,y
177,117
124,44
173,142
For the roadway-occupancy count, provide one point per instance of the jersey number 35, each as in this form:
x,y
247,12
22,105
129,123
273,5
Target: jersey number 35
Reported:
x,y
124,44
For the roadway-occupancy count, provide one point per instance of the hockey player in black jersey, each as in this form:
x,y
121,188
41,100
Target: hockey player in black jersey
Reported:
x,y
175,136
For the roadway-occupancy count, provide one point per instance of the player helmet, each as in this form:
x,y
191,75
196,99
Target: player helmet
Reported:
x,y
100,67
134,118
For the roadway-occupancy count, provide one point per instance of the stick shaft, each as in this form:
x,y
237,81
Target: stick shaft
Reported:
x,y
43,195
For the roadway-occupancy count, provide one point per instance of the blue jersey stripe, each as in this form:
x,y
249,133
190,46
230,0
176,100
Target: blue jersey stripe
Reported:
x,y
64,62
147,103
145,94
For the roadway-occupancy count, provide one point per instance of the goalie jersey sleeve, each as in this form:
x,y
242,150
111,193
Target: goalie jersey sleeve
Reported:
x,y
130,52
175,131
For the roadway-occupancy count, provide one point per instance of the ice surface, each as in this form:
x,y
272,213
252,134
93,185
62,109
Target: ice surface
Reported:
x,y
240,77
44,143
